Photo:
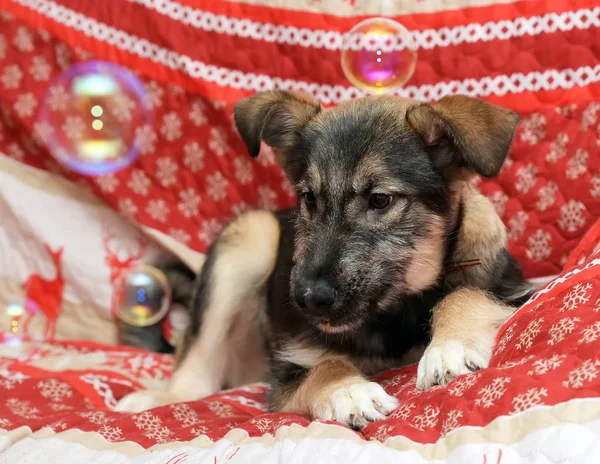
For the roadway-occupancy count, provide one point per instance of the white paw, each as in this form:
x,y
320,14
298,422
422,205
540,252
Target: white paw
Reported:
x,y
357,404
444,361
142,400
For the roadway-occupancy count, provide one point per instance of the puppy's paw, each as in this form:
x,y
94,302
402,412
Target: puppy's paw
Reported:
x,y
443,361
143,400
356,404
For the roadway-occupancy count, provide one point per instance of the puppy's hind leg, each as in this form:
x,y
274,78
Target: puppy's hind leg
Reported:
x,y
224,344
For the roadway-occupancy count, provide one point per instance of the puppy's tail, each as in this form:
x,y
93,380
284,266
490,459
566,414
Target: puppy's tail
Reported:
x,y
181,280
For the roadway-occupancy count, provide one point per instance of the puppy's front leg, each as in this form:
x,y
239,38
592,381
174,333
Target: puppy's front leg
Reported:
x,y
464,328
332,390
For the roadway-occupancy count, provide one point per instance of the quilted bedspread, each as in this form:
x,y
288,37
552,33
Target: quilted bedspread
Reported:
x,y
197,58
539,401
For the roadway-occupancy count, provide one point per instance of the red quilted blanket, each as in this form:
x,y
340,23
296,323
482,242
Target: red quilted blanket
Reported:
x,y
56,396
197,58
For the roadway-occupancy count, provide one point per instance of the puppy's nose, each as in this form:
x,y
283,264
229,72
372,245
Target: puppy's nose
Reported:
x,y
315,295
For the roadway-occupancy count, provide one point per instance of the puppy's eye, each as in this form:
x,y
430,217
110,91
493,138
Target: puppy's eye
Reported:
x,y
380,200
309,198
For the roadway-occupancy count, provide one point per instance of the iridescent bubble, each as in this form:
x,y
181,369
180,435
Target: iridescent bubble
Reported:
x,y
92,112
378,55
145,297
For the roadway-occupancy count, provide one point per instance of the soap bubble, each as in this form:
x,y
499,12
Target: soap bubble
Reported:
x,y
91,113
145,297
378,55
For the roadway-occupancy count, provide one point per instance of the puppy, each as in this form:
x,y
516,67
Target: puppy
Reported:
x,y
389,250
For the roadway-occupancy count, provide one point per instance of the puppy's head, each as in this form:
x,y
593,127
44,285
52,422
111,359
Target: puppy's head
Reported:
x,y
374,180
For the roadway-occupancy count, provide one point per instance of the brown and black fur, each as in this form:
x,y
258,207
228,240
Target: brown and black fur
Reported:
x,y
337,288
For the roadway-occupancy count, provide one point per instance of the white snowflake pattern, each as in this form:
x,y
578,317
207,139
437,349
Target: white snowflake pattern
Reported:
x,y
525,178
188,202
166,171
73,128
543,366
58,98
63,55
533,129
516,362
122,107
558,148
528,335
516,225
171,127
25,105
23,40
128,207
111,434
12,76
54,389
139,182
589,116
15,152
267,198
239,208
499,200
451,422
42,131
586,372
529,399
221,409
577,165
492,392
96,417
22,408
154,94
288,187
591,333
263,424
193,156
595,191
427,419
382,432
200,430
538,245
153,427
185,415
217,141
59,425
266,156
506,337
217,186
4,423
9,380
578,295
404,411
210,230
40,69
107,183
460,385
561,329
243,170
197,115
145,139
546,196
571,216
180,235
158,210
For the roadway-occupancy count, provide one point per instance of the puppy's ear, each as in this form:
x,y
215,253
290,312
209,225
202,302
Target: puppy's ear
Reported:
x,y
276,117
465,132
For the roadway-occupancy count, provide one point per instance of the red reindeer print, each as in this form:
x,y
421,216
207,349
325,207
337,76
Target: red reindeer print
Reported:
x,y
499,458
120,261
45,296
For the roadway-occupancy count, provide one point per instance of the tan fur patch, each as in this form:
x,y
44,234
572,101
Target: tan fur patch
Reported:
x,y
322,381
229,348
469,316
482,236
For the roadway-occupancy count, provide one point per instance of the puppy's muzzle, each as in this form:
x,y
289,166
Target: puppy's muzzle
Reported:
x,y
316,297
